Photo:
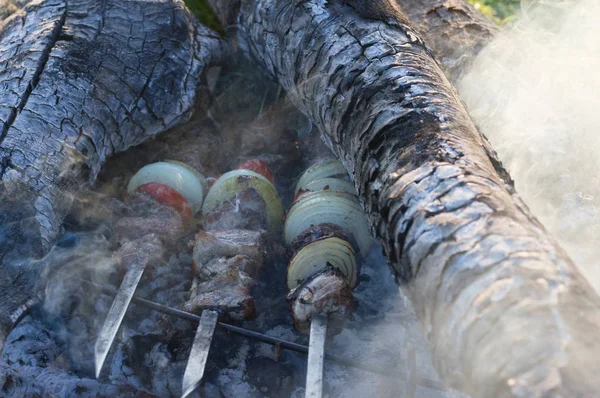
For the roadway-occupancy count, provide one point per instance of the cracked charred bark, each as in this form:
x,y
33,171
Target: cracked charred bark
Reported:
x,y
506,311
79,81
454,30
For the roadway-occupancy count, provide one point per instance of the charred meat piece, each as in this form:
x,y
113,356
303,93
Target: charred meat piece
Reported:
x,y
147,251
149,217
238,210
228,291
218,246
326,292
246,210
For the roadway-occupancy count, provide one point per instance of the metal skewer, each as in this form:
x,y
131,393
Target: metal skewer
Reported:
x,y
194,369
115,316
288,345
316,355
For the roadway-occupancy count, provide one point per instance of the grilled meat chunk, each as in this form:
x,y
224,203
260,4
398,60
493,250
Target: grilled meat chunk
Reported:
x,y
246,211
147,216
217,246
227,291
326,292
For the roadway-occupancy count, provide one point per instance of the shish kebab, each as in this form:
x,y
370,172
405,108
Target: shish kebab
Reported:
x,y
277,342
241,206
325,228
325,231
242,209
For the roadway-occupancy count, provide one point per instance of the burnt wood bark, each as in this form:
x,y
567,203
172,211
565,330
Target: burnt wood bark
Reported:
x,y
453,29
82,80
506,311
79,81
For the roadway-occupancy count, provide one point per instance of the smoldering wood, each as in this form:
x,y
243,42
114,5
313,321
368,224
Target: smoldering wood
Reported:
x,y
85,80
82,80
453,29
506,311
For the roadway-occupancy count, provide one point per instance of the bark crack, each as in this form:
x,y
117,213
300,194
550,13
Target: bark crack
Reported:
x,y
54,37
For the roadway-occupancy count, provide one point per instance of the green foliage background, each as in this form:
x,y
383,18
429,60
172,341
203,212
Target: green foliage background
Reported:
x,y
204,14
499,11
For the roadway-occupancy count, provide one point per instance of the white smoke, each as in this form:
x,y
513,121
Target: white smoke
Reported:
x,y
535,93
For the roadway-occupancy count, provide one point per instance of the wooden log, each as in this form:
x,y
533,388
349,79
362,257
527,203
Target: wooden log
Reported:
x,y
506,311
83,80
79,81
453,29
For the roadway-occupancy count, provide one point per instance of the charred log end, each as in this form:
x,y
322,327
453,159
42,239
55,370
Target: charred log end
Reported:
x,y
20,231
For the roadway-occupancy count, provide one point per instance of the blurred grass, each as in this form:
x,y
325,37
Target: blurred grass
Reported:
x,y
499,11
203,12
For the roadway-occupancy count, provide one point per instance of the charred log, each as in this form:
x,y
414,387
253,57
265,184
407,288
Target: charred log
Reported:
x,y
505,310
81,81
453,29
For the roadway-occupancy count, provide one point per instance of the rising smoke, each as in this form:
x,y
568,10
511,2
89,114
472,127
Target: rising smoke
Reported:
x,y
534,91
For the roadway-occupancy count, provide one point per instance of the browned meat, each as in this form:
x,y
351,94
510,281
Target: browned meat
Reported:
x,y
147,251
149,217
326,292
246,211
227,290
212,248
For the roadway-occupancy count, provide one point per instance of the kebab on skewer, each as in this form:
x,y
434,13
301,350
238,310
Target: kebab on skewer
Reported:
x,y
241,210
326,232
165,197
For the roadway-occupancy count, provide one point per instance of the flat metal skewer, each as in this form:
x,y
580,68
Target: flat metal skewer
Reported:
x,y
194,370
115,316
316,356
299,348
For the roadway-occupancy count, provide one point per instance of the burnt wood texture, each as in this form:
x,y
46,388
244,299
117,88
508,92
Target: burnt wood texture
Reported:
x,y
453,29
505,310
80,81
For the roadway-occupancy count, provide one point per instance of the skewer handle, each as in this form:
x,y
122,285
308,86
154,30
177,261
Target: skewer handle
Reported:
x,y
194,370
316,356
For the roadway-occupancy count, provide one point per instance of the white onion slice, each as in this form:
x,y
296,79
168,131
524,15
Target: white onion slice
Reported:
x,y
236,181
315,256
339,208
198,175
328,168
333,184
179,178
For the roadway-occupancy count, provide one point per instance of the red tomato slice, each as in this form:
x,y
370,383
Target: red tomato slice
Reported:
x,y
258,166
168,196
